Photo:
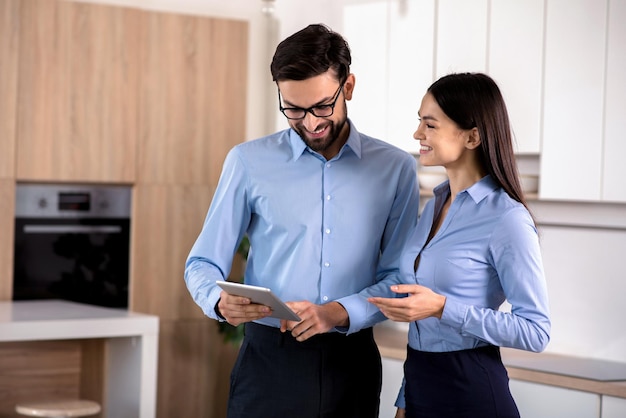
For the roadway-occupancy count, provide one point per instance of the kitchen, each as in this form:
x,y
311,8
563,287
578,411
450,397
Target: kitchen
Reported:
x,y
582,197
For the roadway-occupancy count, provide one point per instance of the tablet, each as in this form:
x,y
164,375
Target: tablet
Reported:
x,y
261,295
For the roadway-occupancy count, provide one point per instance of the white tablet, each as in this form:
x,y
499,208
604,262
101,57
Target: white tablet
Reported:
x,y
260,295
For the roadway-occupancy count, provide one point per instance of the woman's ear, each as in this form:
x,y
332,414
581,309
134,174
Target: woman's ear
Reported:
x,y
473,138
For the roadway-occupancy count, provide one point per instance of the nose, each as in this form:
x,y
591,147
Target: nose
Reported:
x,y
418,133
310,121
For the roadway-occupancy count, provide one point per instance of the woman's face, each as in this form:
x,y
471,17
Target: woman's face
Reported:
x,y
442,141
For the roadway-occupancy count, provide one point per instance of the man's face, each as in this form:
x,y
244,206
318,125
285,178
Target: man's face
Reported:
x,y
326,134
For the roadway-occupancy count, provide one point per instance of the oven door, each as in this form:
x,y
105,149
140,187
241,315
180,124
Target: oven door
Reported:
x,y
82,260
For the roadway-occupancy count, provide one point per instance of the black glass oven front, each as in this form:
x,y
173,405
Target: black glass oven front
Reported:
x,y
72,242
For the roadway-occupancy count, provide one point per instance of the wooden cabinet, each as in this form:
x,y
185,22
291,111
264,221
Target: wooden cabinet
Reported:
x,y
516,63
193,91
166,222
7,226
9,44
77,101
194,367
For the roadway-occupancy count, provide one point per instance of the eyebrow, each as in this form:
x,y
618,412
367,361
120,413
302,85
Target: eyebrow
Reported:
x,y
320,103
427,117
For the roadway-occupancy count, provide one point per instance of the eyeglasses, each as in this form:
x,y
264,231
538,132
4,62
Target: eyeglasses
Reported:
x,y
320,111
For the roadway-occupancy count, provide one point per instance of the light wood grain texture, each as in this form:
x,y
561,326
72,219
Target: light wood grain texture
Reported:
x,y
92,374
7,228
9,43
166,223
38,371
196,384
193,98
77,100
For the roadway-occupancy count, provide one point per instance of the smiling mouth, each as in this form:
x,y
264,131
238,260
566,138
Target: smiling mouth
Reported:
x,y
317,133
425,148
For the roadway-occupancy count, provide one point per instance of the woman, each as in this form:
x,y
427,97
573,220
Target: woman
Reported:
x,y
474,247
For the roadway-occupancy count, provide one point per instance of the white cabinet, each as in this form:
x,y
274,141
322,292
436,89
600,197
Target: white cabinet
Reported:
x,y
515,61
535,400
392,55
614,186
411,31
613,407
572,149
461,40
392,381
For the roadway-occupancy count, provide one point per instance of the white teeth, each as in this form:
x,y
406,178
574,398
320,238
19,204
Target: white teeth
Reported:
x,y
425,148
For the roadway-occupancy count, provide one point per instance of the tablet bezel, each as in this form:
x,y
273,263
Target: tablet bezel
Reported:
x,y
260,295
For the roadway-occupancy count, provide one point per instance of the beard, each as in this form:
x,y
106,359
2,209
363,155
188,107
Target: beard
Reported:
x,y
323,143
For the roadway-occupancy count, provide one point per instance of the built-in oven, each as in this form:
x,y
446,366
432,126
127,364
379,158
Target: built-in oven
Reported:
x,y
72,242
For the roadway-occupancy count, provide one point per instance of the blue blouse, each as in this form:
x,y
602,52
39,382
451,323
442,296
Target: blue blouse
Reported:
x,y
485,252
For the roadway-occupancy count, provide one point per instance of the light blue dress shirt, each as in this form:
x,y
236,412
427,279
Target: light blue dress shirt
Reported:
x,y
319,230
485,252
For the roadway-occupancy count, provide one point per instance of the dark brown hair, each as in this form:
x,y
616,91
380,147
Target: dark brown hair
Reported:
x,y
310,52
474,100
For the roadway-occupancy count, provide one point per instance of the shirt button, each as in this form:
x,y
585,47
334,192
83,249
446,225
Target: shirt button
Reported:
x,y
327,230
327,264
327,197
325,298
328,164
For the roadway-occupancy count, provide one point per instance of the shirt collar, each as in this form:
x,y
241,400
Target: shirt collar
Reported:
x,y
353,143
478,191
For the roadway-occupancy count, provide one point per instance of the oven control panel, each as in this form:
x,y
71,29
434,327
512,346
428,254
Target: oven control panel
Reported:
x,y
58,201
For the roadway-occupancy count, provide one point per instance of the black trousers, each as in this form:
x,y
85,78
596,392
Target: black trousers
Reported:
x,y
329,375
459,384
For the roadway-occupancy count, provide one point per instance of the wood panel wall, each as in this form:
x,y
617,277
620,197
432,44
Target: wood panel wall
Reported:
x,y
50,370
78,82
9,41
104,94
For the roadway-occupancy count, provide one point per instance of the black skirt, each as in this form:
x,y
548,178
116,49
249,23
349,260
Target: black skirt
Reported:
x,y
461,384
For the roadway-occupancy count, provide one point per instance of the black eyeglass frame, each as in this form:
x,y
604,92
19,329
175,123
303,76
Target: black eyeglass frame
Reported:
x,y
311,109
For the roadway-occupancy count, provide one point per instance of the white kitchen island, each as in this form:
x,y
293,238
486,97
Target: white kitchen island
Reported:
x,y
130,346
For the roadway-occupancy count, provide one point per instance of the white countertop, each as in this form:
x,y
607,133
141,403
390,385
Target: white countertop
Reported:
x,y
59,319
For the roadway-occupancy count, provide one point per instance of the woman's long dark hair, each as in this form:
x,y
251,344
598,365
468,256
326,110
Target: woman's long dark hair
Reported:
x,y
474,100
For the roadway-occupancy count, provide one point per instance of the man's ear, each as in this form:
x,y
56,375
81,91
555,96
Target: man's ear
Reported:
x,y
348,86
473,139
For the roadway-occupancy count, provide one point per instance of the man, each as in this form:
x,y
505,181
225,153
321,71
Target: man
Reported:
x,y
327,211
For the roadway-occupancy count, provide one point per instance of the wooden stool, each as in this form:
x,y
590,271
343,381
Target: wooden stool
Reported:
x,y
58,409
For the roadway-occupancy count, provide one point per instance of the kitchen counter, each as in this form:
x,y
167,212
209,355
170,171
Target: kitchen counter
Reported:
x,y
589,375
131,345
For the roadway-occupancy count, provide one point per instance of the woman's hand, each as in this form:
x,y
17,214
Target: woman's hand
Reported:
x,y
420,303
400,413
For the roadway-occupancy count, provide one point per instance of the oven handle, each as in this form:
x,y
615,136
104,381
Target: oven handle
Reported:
x,y
72,229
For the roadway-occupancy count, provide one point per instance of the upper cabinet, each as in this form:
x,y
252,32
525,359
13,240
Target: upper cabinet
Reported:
x,y
197,115
76,107
9,42
461,38
392,59
571,155
515,61
614,168
560,65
